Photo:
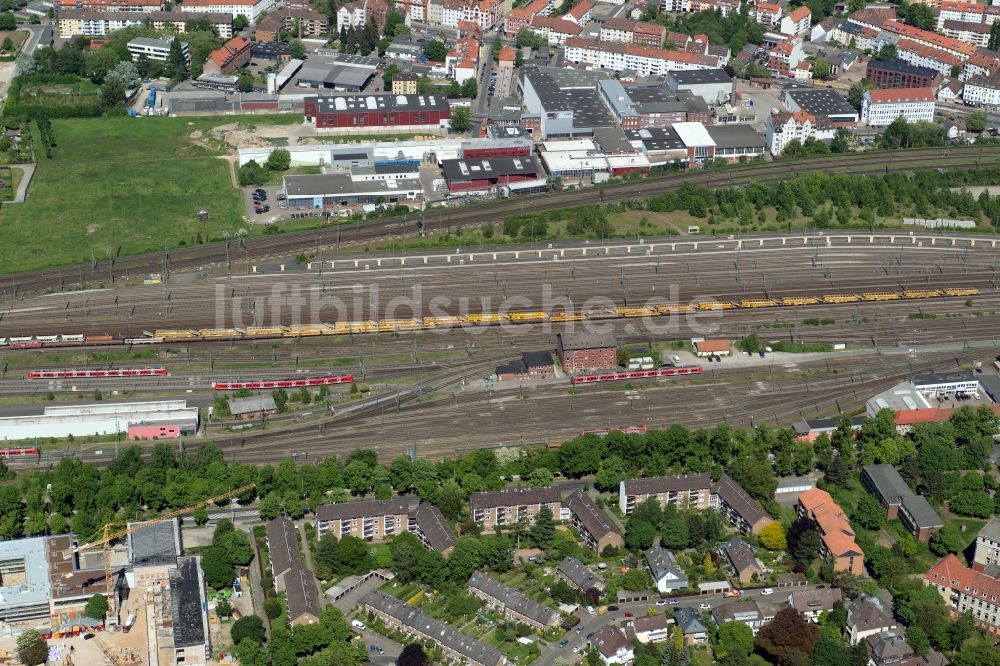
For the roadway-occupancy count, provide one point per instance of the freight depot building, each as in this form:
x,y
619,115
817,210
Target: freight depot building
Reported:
x,y
359,111
100,419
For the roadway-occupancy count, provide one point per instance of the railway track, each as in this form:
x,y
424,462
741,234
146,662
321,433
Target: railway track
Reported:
x,y
261,248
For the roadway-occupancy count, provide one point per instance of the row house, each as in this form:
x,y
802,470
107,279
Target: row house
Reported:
x,y
970,33
970,12
593,525
108,5
283,546
253,10
576,574
836,534
485,13
879,108
798,22
555,30
462,62
958,49
967,590
980,64
922,55
767,14
643,60
414,10
723,8
783,127
580,13
91,23
428,524
785,56
512,603
408,619
634,32
359,14
743,512
520,17
508,507
371,520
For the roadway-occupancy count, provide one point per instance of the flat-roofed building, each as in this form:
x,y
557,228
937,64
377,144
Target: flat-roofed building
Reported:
x,y
946,383
714,85
382,110
371,520
594,527
456,646
153,549
155,49
511,602
507,507
896,73
192,643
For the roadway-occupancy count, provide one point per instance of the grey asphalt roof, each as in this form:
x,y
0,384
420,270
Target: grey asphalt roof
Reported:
x,y
511,598
434,527
186,603
300,593
514,497
365,509
740,554
663,484
888,481
282,545
153,544
581,576
735,136
699,76
922,512
416,621
733,494
588,513
576,341
661,562
689,620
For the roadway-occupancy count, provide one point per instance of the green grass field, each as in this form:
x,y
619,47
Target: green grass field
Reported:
x,y
131,184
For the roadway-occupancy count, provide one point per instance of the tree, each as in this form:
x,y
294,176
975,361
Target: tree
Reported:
x,y
920,16
856,95
279,160
947,540
251,174
298,50
734,643
244,82
544,529
272,607
8,44
528,37
639,534
977,120
887,52
869,514
435,50
200,516
787,631
112,94
470,88
353,556
32,649
918,640
637,579
412,655
803,541
236,545
219,572
8,21
240,23
142,65
97,607
461,119
772,536
838,472
821,69
248,627
176,67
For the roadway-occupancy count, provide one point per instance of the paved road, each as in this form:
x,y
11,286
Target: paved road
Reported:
x,y
390,648
486,56
22,187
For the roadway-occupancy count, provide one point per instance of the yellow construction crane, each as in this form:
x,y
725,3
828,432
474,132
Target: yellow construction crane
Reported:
x,y
111,534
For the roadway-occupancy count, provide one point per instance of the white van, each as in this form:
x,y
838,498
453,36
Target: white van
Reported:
x,y
590,610
358,624
677,360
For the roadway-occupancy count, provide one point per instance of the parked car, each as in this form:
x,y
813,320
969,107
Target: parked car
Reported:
x,y
704,606
564,642
674,602
258,210
661,602
612,608
766,592
629,614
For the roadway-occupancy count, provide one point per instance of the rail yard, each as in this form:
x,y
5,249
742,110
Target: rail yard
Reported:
x,y
421,331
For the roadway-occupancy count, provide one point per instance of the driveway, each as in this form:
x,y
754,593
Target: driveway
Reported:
x,y
27,170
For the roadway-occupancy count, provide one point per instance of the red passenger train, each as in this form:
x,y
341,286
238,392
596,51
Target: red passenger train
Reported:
x,y
14,453
637,374
283,383
97,374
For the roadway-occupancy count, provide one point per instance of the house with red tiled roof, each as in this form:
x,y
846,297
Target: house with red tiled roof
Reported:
x,y
520,17
556,30
768,14
881,107
836,534
711,347
966,590
628,31
229,57
798,22
580,13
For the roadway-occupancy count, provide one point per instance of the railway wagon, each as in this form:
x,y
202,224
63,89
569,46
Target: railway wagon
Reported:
x,y
16,453
628,430
97,374
282,383
637,374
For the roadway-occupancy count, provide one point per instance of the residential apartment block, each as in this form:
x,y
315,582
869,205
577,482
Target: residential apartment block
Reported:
x,y
371,520
429,526
835,531
456,646
743,512
889,488
643,60
507,507
967,590
283,546
92,23
987,555
798,22
253,10
784,127
155,49
896,73
594,527
511,602
633,32
881,107
982,90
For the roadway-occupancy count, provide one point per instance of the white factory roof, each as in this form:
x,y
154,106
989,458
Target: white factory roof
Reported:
x,y
627,161
558,162
36,588
104,419
693,134
115,407
570,145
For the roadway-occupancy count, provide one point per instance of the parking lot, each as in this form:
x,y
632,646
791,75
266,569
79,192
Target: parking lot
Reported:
x,y
255,206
